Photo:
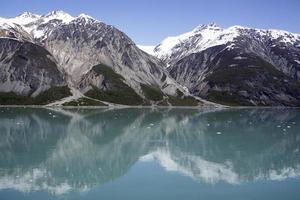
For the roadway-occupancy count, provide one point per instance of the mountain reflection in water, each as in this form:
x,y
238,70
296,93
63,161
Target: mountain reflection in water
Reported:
x,y
74,150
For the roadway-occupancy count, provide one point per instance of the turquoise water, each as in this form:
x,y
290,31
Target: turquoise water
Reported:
x,y
149,154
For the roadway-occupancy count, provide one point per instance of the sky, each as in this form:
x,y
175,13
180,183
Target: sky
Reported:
x,y
148,22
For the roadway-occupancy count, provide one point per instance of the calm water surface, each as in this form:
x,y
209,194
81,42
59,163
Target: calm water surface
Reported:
x,y
149,154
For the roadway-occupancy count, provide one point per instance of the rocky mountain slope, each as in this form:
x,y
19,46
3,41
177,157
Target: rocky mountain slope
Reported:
x,y
96,60
82,61
29,74
235,66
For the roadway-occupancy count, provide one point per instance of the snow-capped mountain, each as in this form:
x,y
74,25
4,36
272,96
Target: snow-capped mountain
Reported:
x,y
35,24
22,19
96,59
97,62
237,65
206,36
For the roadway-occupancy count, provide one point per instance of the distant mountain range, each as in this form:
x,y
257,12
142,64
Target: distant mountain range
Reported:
x,y
58,59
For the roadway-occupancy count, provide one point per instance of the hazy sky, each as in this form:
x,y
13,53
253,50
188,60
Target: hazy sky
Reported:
x,y
147,22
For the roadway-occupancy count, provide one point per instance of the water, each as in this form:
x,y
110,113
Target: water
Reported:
x,y
149,154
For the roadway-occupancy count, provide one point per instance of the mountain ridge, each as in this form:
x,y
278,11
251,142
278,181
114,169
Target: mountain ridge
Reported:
x,y
210,64
77,44
209,61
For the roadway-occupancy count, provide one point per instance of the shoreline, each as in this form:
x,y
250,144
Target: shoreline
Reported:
x,y
159,107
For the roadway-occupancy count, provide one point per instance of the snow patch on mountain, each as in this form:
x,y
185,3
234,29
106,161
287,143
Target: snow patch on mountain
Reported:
x,y
206,36
147,49
32,23
58,15
239,58
82,15
199,39
22,19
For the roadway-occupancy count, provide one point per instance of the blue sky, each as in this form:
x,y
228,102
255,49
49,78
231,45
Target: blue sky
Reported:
x,y
147,22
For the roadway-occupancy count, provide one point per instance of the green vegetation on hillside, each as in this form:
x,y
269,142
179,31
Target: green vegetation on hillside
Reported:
x,y
84,102
256,80
184,101
152,93
46,97
237,75
227,98
117,91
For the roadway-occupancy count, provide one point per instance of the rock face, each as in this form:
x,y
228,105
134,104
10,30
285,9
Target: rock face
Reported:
x,y
27,70
85,42
236,66
77,44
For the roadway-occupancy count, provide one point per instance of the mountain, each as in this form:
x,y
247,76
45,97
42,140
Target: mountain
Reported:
x,y
58,59
97,62
235,66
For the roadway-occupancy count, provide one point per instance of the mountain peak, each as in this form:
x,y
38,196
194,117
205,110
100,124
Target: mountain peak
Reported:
x,y
212,26
82,15
56,12
170,44
28,15
22,19
86,18
60,15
